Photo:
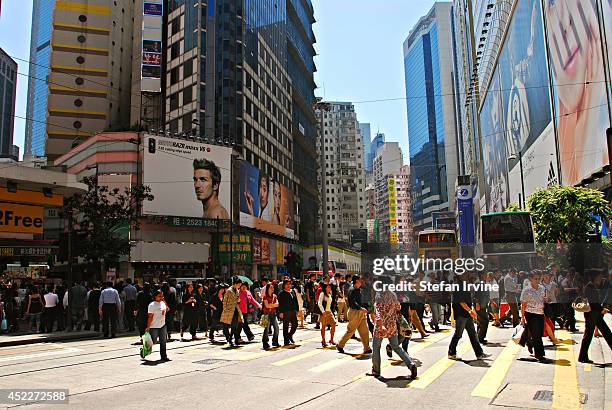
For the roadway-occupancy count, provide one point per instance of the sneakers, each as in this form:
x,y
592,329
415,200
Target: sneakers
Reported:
x,y
389,351
483,356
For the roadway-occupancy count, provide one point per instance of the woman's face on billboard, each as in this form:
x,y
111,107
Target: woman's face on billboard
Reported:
x,y
570,26
263,192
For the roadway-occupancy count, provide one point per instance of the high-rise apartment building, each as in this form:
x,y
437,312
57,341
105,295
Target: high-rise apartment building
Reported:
x,y
345,182
241,73
387,164
8,93
432,133
81,82
377,142
403,193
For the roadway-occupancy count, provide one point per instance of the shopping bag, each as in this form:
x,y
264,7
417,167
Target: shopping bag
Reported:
x,y
147,345
264,321
517,335
4,325
404,327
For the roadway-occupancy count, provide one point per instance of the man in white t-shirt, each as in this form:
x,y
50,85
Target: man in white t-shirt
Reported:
x,y
156,323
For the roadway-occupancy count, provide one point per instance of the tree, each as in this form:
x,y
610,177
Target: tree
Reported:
x,y
565,214
103,218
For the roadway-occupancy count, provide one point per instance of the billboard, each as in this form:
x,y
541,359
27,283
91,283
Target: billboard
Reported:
x,y
265,204
237,249
581,107
152,9
151,56
392,210
187,178
21,218
495,158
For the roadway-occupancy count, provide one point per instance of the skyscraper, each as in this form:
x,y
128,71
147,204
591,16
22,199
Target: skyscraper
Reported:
x,y
366,139
377,142
432,134
81,64
8,93
345,183
38,90
241,73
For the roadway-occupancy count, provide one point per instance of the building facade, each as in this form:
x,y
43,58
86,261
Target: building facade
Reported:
x,y
241,74
8,93
366,138
432,133
387,163
81,83
345,182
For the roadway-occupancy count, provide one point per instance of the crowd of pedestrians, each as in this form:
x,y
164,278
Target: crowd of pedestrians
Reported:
x,y
540,300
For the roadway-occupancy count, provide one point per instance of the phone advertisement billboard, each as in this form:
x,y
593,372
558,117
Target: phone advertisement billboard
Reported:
x,y
265,204
186,178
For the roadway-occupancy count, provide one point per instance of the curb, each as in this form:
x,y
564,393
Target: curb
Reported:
x,y
57,338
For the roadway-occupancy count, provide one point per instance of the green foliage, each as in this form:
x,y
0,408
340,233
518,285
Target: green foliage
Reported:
x,y
565,213
513,207
103,218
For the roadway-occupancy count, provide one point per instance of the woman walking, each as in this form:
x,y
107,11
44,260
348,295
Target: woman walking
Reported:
x,y
216,307
386,310
532,314
327,316
270,305
231,317
595,318
247,301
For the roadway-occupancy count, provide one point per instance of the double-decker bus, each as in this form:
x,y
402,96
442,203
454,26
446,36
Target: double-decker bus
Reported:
x,y
437,243
507,233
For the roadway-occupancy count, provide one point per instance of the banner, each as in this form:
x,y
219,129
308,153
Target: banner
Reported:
x,y
261,250
392,210
241,245
577,62
187,178
265,204
21,218
465,210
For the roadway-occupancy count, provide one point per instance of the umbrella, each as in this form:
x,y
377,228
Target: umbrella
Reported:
x,y
244,279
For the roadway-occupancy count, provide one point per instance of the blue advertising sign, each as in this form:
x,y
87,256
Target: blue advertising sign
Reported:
x,y
466,215
152,9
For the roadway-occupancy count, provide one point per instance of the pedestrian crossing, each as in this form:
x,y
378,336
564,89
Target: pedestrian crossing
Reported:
x,y
317,361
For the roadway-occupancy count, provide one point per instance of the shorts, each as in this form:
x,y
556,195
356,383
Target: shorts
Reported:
x,y
327,320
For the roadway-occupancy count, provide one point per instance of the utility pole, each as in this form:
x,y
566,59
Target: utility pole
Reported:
x,y
323,107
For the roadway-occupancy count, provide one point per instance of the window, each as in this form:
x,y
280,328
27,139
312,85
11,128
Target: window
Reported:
x,y
175,50
174,101
187,68
174,76
187,124
176,25
187,95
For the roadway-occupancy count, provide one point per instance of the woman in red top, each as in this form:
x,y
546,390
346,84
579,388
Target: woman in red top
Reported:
x,y
270,304
246,299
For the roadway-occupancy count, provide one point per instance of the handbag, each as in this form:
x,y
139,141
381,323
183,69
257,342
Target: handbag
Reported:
x,y
4,325
517,335
264,321
581,305
404,328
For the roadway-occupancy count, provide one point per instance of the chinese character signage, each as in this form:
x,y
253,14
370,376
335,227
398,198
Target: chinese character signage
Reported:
x,y
241,244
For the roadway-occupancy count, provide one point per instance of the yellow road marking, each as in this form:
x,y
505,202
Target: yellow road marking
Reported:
x,y
297,357
413,348
330,364
496,374
566,394
437,369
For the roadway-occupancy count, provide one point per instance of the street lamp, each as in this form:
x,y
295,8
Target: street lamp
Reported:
x,y
520,158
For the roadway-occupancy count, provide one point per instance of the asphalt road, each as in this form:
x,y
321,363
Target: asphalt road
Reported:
x,y
108,373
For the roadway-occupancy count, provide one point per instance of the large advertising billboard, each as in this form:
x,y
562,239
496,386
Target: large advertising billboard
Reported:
x,y
265,204
187,178
495,157
581,107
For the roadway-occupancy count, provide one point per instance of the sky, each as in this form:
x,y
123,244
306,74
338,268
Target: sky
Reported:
x,y
359,47
360,58
15,32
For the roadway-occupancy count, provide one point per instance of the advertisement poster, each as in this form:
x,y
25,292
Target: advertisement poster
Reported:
x,y
524,79
392,211
265,204
186,178
261,250
151,46
151,59
466,215
241,244
495,157
152,9
577,62
21,218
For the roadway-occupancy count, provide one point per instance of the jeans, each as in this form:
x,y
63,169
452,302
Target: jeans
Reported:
x,y
396,348
161,334
436,312
35,321
467,324
274,325
483,323
245,326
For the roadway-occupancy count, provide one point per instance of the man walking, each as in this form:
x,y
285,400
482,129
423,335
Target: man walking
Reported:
x,y
464,320
513,291
356,318
482,299
77,301
156,323
287,309
109,306
131,293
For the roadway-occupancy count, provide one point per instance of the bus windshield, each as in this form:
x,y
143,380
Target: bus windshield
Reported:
x,y
513,229
437,240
